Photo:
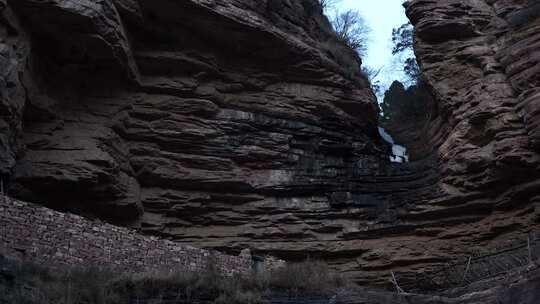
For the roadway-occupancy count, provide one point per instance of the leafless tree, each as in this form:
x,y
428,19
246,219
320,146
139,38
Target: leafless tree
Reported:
x,y
327,4
403,40
372,74
351,29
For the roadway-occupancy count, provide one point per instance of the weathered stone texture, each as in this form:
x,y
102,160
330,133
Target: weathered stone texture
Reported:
x,y
237,124
473,59
54,238
222,124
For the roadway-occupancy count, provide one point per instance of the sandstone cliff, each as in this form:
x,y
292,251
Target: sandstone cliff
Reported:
x,y
235,124
481,66
224,124
481,62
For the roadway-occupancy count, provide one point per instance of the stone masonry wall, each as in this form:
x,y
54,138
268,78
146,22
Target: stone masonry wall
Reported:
x,y
46,236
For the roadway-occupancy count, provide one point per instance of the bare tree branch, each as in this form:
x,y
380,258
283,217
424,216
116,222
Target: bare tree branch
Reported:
x,y
351,29
327,4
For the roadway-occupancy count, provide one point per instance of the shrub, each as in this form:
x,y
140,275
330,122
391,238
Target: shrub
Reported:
x,y
327,4
26,283
343,56
351,29
33,284
309,277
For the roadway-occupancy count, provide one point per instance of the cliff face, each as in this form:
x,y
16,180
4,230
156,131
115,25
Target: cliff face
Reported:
x,y
223,124
481,62
235,124
195,97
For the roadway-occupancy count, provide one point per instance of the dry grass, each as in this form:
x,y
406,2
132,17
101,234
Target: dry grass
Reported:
x,y
309,277
344,56
25,283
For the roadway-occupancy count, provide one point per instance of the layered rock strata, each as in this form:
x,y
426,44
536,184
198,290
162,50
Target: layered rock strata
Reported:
x,y
222,124
481,64
237,124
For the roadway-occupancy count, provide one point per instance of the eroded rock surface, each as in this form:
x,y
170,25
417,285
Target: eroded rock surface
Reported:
x,y
223,124
480,60
236,124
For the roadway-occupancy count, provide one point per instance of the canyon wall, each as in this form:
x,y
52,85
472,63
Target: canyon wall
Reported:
x,y
222,124
481,63
233,124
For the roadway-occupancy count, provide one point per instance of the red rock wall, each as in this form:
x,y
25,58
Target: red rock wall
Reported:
x,y
482,68
241,124
220,124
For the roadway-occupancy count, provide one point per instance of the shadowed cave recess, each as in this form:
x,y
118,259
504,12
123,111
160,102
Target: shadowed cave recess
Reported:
x,y
239,124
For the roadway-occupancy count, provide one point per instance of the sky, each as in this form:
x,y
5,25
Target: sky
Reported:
x,y
381,16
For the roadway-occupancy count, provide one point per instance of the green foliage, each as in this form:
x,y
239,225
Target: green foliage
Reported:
x,y
412,70
25,283
402,38
403,41
400,104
